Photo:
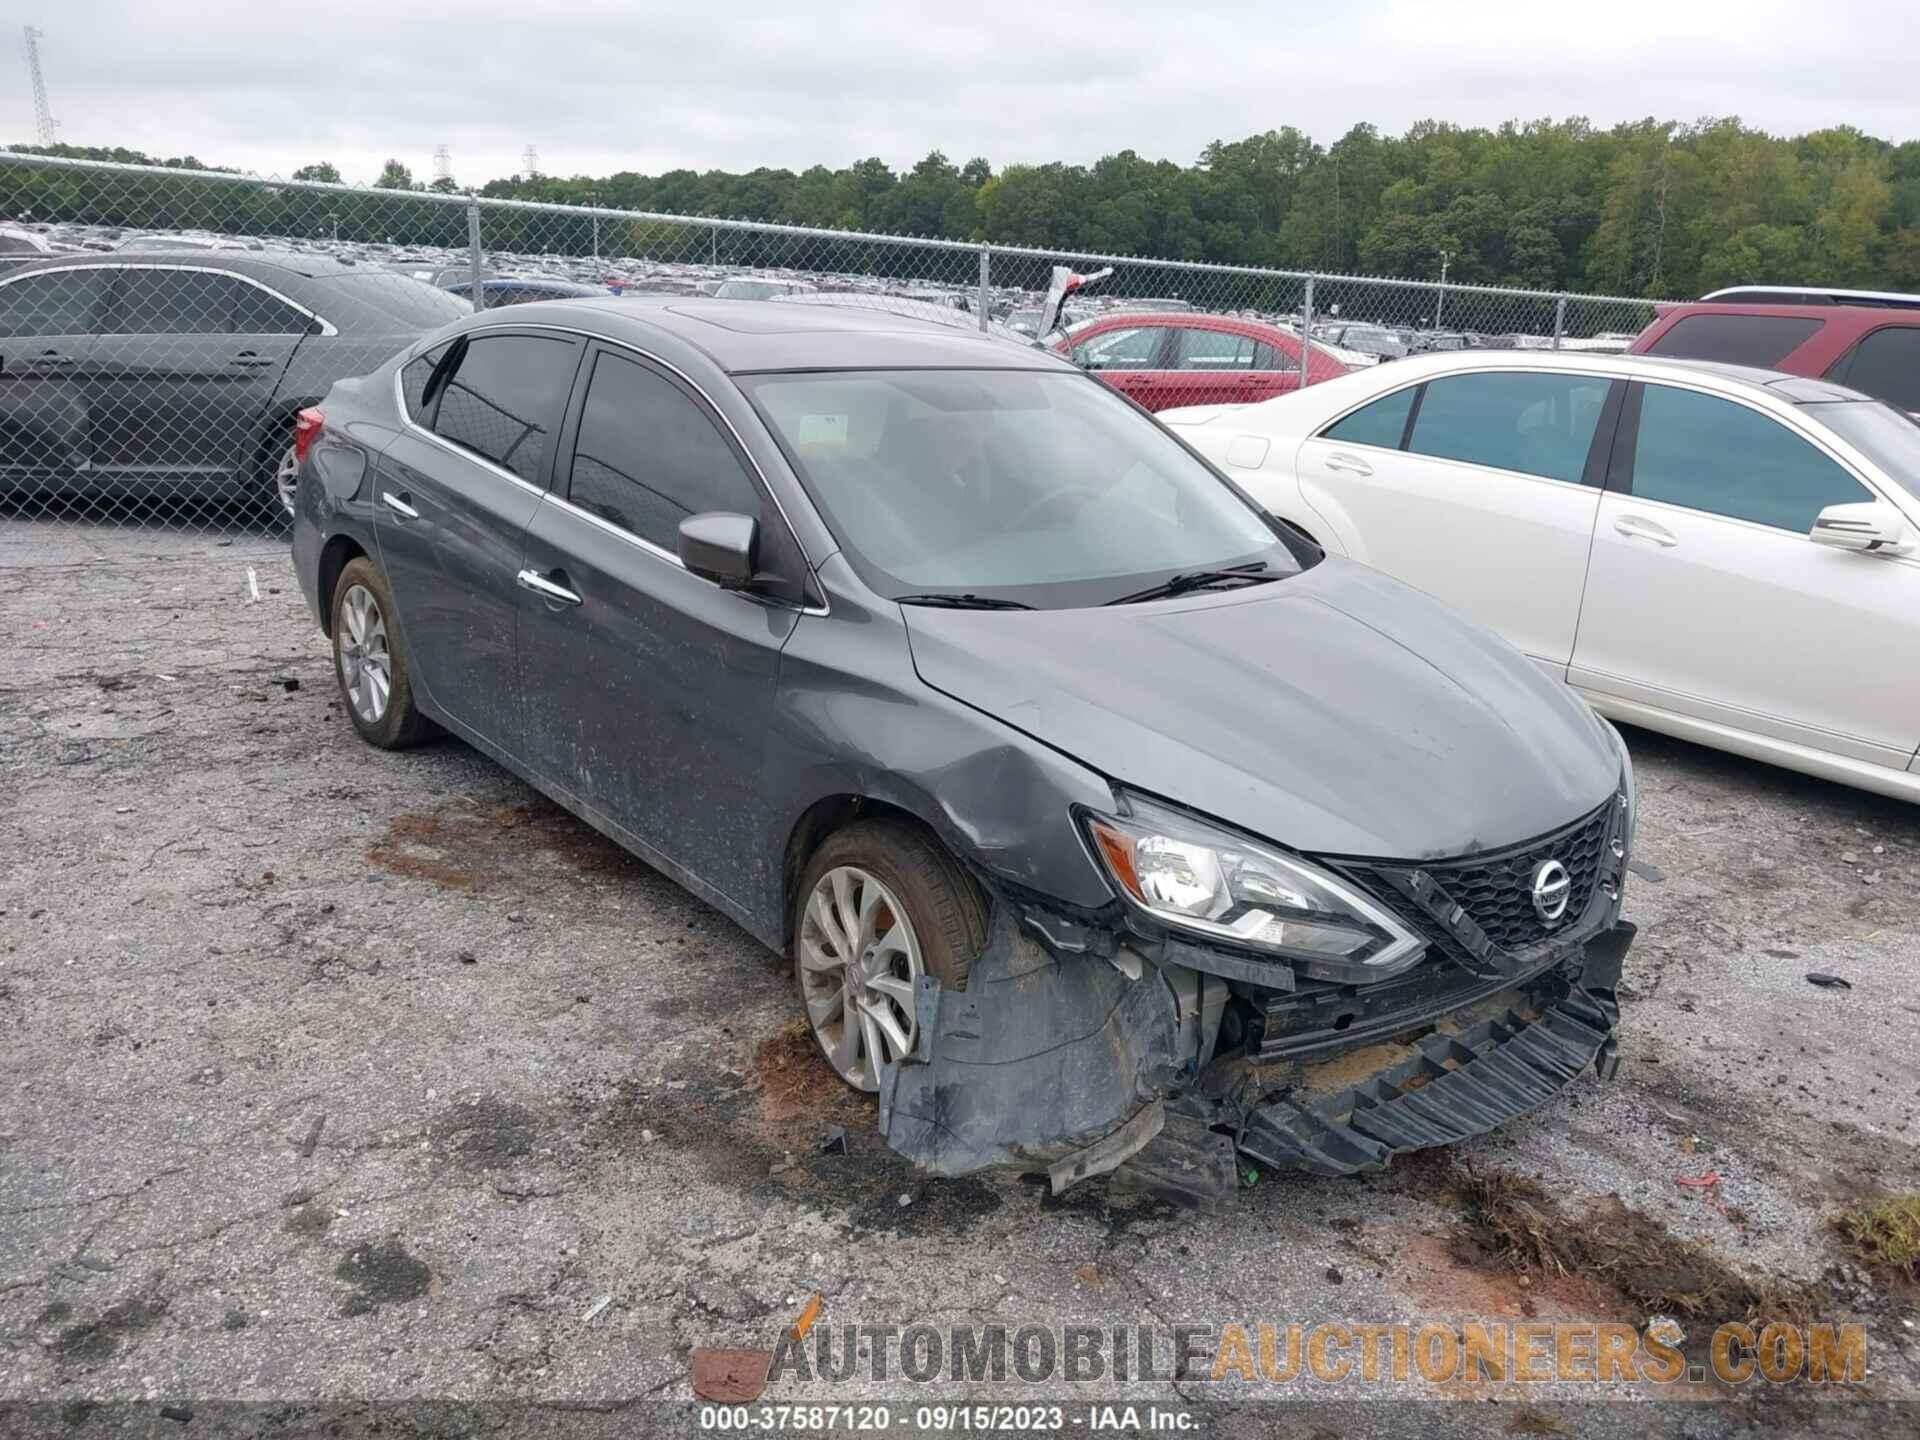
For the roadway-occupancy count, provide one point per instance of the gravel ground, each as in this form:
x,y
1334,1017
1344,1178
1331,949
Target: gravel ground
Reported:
x,y
333,1076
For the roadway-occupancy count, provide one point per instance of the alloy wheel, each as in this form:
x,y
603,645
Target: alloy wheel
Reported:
x,y
859,961
366,665
286,479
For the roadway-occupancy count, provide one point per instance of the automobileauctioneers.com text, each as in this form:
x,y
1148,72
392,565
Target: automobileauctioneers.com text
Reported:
x,y
1256,1355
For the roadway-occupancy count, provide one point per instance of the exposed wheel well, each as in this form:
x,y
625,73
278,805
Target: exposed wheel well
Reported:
x,y
335,555
821,819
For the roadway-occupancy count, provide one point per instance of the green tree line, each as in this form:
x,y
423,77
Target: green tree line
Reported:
x,y
1652,208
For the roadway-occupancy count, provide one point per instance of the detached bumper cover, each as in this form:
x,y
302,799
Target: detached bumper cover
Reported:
x,y
1457,1086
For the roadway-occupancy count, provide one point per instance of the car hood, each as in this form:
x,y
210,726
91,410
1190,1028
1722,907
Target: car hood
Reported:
x,y
1337,712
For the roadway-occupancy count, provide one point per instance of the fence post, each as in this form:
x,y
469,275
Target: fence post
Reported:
x,y
1559,320
473,247
1439,302
1306,336
986,284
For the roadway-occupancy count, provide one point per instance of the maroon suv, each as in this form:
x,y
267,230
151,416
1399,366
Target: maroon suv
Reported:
x,y
1872,347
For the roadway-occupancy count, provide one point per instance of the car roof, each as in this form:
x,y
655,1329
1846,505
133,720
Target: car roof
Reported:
x,y
744,336
1794,389
1816,295
1848,317
313,267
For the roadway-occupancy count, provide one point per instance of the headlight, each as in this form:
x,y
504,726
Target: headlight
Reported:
x,y
1208,881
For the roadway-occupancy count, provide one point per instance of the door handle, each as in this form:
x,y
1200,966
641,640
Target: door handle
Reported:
x,y
53,360
1636,528
247,360
1349,464
398,504
547,589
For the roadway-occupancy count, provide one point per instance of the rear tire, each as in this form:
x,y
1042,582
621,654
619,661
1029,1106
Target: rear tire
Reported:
x,y
879,905
370,660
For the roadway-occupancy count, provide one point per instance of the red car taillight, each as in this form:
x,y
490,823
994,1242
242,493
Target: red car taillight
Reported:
x,y
306,429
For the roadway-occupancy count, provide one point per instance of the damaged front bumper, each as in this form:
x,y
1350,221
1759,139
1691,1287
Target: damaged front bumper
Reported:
x,y
1479,1070
1080,1058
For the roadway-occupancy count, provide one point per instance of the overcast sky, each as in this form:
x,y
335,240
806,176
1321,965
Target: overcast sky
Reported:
x,y
646,86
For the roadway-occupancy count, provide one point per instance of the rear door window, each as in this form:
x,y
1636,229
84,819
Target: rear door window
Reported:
x,y
648,456
1721,457
1536,423
1201,349
503,399
1885,365
1382,423
1760,340
56,302
149,301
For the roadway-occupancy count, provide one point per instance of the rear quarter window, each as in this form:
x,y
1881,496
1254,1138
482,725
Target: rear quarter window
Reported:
x,y
409,301
1760,340
1885,365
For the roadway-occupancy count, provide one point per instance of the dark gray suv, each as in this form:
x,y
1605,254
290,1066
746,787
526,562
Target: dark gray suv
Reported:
x,y
1096,809
175,376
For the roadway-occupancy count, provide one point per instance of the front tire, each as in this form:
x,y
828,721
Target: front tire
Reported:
x,y
879,905
370,660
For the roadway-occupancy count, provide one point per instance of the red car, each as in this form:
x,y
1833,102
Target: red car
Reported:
x,y
1873,347
1163,360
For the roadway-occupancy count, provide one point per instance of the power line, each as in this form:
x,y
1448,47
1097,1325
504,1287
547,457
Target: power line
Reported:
x,y
42,112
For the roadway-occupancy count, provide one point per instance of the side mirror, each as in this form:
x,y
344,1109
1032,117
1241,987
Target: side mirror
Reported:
x,y
1869,525
720,547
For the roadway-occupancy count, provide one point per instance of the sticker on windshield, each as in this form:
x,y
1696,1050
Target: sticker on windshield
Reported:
x,y
823,430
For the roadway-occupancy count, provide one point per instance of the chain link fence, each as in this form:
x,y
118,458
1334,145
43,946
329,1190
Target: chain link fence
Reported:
x,y
161,328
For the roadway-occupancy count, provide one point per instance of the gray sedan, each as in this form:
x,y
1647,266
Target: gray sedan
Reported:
x,y
176,376
1095,808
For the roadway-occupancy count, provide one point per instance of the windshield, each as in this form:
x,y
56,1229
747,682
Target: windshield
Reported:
x,y
1037,487
1888,437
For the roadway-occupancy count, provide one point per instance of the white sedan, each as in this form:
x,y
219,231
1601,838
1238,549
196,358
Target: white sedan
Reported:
x,y
1727,555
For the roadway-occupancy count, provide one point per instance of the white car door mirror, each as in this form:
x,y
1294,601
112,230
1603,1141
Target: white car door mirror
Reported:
x,y
1870,525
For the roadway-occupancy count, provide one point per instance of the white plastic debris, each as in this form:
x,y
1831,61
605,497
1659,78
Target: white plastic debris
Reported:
x,y
1665,1330
253,586
595,1308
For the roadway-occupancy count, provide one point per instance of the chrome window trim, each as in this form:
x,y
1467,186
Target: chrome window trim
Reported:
x,y
638,541
327,327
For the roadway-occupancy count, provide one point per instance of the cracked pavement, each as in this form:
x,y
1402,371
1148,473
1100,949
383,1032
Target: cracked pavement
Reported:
x,y
333,1074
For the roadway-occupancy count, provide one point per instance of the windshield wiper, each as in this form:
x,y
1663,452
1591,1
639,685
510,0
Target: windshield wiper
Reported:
x,y
961,602
1252,573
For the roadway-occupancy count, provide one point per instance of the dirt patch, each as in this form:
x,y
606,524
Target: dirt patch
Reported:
x,y
1344,1072
1513,1222
383,1274
796,1090
99,1338
475,850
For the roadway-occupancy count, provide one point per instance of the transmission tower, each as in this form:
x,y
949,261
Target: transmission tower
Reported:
x,y
530,162
42,112
442,164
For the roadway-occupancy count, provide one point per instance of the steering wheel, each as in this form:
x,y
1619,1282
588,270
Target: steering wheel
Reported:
x,y
1047,502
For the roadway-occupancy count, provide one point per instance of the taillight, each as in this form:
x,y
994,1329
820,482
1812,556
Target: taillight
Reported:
x,y
307,426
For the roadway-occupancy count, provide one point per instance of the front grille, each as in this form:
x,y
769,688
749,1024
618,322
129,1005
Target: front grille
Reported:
x,y
1496,889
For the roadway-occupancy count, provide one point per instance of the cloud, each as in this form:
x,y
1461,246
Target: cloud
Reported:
x,y
600,87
